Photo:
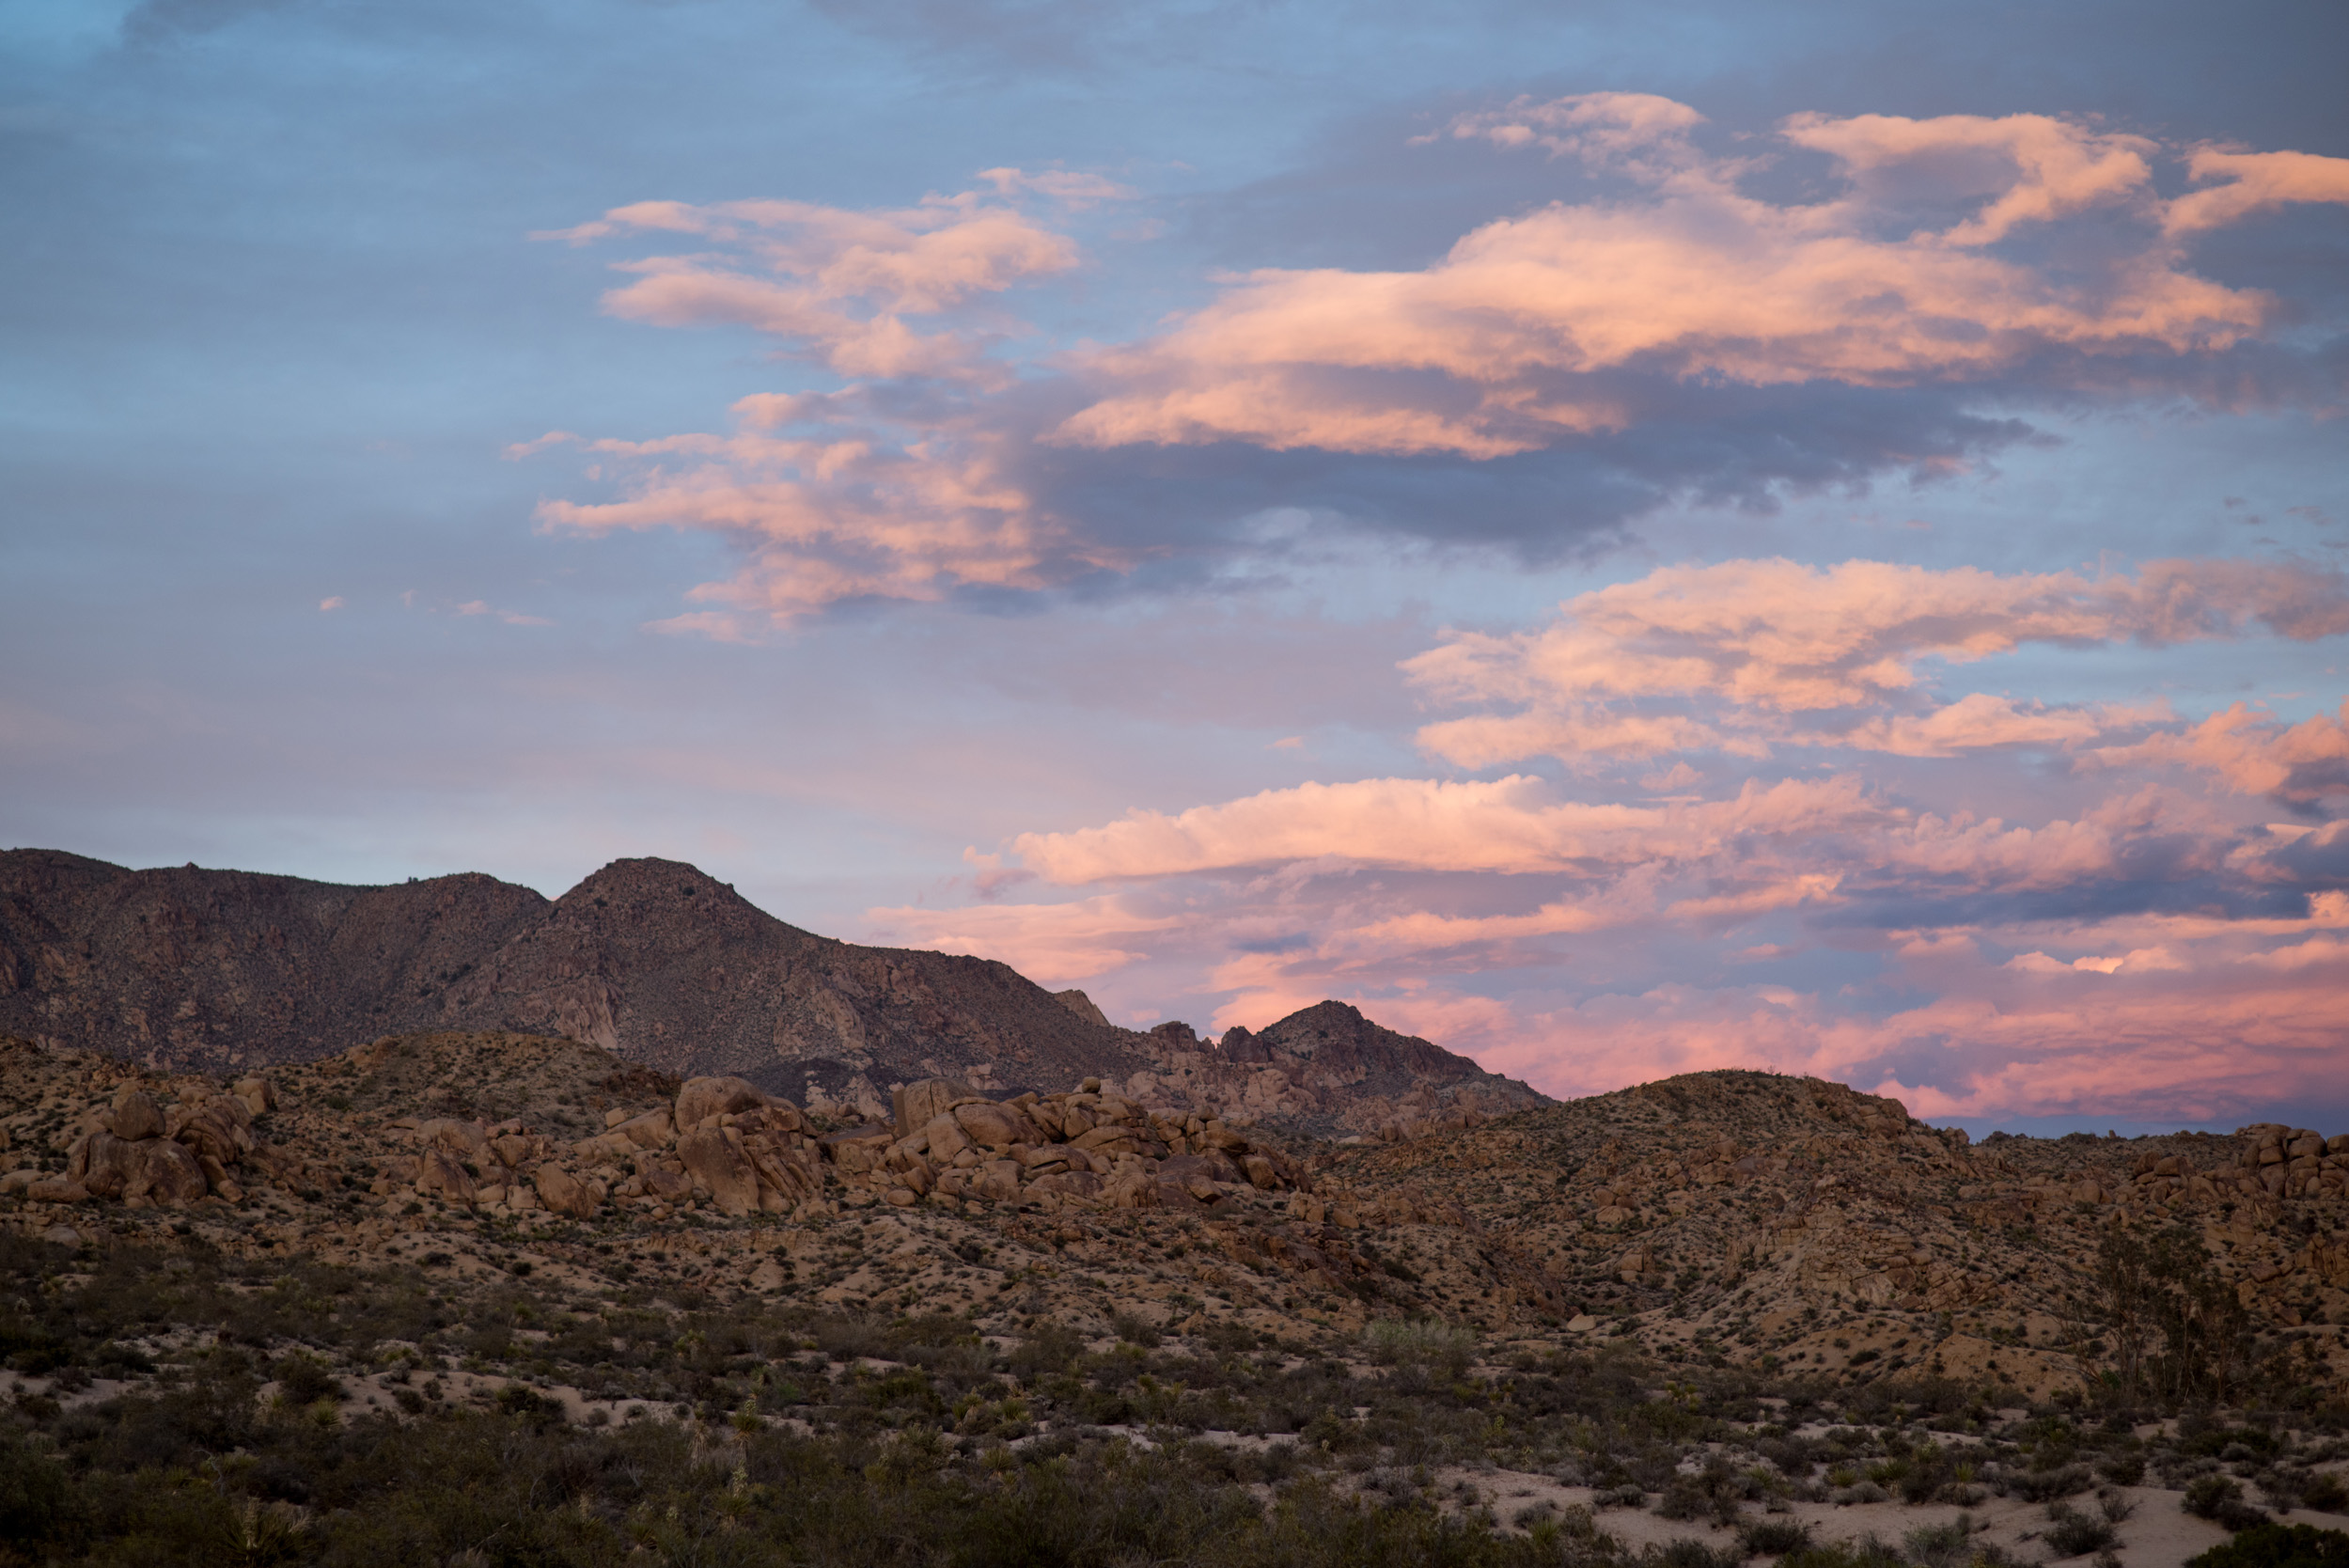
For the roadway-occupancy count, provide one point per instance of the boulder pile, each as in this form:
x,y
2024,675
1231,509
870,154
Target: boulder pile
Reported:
x,y
144,1151
1087,1148
725,1144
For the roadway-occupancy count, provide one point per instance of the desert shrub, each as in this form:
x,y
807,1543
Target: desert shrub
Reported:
x,y
1774,1537
2326,1495
2064,1481
1047,1347
2279,1546
37,1499
2115,1506
2122,1470
306,1379
1689,1552
1444,1350
2072,1533
2205,1494
1940,1545
1866,1552
1135,1329
2219,1497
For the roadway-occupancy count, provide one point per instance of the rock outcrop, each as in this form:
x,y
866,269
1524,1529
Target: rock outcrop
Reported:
x,y
1722,1217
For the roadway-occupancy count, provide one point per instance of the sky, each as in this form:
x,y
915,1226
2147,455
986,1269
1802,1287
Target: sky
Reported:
x,y
1621,539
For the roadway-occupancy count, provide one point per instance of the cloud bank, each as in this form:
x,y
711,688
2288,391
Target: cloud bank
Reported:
x,y
2154,938
1707,317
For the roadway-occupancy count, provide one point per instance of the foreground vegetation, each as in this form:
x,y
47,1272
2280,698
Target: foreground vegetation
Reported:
x,y
182,1406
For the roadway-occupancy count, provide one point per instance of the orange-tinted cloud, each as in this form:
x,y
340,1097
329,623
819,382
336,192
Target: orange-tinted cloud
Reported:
x,y
836,284
1755,642
963,454
1507,344
2145,945
2252,752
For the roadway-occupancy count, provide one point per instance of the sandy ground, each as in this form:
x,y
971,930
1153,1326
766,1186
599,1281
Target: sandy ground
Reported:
x,y
2158,1534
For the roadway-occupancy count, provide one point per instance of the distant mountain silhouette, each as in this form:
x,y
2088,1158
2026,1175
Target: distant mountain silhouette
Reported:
x,y
651,959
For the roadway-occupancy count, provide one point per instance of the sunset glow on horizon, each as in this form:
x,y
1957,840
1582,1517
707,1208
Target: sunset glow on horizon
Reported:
x,y
1622,543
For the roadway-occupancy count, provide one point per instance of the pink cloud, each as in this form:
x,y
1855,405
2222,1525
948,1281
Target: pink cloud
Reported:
x,y
1509,825
2254,183
1756,641
2252,752
1503,346
832,516
1573,320
838,285
2151,947
1053,944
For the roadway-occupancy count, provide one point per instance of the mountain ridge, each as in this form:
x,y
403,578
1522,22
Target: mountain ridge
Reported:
x,y
651,959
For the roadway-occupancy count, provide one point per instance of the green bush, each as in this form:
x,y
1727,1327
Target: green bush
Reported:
x,y
2279,1546
1774,1537
2073,1533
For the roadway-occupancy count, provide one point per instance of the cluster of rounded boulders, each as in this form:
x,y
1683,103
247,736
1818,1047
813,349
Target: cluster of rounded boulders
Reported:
x,y
143,1151
1087,1148
2269,1161
722,1139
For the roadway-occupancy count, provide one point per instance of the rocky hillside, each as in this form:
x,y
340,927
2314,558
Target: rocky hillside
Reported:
x,y
1788,1223
230,971
1793,1227
479,1149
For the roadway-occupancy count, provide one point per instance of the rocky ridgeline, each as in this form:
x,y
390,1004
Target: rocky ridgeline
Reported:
x,y
228,972
1745,1218
1721,1217
719,1142
476,1152
1327,1071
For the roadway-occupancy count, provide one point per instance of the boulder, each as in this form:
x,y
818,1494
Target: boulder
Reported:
x,y
997,1181
1175,1194
134,1114
667,1185
785,1170
465,1139
171,1173
1070,1183
1188,1168
106,1165
920,1103
714,1158
996,1126
1131,1188
1260,1171
57,1189
858,1149
1082,1006
259,1094
516,1150
650,1130
702,1098
221,1127
564,1193
944,1138
438,1171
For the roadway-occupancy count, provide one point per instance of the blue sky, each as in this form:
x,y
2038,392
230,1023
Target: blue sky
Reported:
x,y
276,318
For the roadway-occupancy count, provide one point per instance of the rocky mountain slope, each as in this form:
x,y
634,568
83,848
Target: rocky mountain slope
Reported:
x,y
1788,1225
1748,1218
228,971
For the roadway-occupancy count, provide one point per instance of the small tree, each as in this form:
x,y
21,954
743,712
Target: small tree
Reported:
x,y
2180,1334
